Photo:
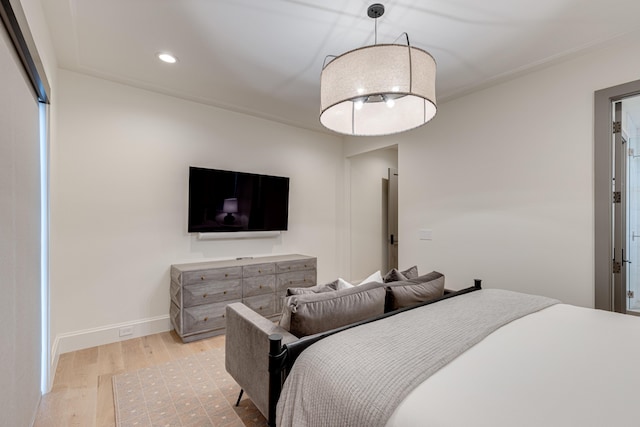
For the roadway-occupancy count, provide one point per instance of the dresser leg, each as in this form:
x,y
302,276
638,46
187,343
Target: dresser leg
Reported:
x,y
239,397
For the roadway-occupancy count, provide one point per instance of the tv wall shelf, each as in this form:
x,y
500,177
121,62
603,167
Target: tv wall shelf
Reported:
x,y
201,291
238,235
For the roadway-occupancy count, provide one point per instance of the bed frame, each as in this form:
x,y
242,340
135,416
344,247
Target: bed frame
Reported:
x,y
282,357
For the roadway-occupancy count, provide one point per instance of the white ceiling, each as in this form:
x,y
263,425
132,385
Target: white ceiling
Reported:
x,y
264,57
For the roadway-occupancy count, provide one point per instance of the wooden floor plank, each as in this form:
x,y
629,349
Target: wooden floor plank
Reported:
x,y
105,410
174,345
85,368
155,349
64,372
110,359
133,354
197,346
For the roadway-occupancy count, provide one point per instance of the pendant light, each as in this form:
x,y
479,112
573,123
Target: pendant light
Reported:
x,y
378,90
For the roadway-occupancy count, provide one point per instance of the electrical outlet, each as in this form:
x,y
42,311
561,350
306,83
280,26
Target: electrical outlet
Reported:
x,y
126,331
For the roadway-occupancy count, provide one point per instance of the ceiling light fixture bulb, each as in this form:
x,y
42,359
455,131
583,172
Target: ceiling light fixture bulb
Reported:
x,y
168,58
359,102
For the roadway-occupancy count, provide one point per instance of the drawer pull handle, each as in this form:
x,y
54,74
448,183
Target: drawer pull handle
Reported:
x,y
226,274
206,318
201,277
260,308
259,271
223,315
204,295
260,286
224,292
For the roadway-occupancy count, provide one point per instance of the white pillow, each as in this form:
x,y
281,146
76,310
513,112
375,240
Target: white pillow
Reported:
x,y
343,284
375,277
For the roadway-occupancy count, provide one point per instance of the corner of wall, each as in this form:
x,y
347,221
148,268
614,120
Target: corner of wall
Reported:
x,y
87,338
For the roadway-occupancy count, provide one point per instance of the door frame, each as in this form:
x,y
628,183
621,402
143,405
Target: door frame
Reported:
x,y
603,194
392,219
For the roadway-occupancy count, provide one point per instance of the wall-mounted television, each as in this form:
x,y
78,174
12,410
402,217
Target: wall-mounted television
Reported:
x,y
228,201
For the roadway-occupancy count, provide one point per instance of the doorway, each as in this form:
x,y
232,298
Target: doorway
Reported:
x,y
392,219
369,211
617,198
626,203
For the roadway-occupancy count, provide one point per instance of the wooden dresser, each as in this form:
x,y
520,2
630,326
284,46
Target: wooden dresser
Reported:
x,y
201,291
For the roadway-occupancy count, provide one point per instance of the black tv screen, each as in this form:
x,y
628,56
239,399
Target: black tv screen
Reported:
x,y
227,201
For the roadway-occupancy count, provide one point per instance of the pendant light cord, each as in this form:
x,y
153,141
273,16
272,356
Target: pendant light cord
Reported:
x,y
376,31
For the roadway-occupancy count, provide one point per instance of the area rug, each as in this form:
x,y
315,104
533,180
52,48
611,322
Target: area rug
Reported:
x,y
195,391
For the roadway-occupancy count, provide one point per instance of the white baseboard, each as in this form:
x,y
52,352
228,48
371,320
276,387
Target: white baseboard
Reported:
x,y
87,338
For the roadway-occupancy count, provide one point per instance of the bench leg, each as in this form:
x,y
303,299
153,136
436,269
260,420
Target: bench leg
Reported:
x,y
239,397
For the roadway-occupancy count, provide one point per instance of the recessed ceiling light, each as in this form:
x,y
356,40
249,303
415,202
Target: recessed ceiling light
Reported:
x,y
168,58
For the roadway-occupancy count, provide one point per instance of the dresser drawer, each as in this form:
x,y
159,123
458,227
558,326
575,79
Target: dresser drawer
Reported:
x,y
296,279
297,265
205,317
259,270
209,292
192,277
258,285
262,304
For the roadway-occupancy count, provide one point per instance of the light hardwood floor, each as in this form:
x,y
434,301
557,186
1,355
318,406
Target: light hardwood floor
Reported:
x,y
82,393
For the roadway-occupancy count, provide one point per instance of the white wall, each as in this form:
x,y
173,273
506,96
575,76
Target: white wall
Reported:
x,y
119,200
504,177
369,177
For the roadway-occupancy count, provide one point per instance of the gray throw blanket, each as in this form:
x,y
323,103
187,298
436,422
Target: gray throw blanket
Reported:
x,y
358,377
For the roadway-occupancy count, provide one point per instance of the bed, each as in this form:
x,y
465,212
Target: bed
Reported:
x,y
500,359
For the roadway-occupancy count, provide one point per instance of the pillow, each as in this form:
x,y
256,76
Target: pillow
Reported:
x,y
313,289
375,277
309,314
343,284
411,272
394,275
414,291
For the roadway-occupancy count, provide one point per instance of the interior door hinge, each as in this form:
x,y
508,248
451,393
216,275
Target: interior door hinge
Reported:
x,y
630,294
617,197
616,267
617,127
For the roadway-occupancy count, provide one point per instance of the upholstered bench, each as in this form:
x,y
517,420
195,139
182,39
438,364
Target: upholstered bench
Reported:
x,y
309,311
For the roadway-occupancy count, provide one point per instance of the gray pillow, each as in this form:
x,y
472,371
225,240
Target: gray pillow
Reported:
x,y
394,275
407,293
312,313
411,272
313,289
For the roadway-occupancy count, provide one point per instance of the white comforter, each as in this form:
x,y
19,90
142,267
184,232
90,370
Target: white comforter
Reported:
x,y
562,366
